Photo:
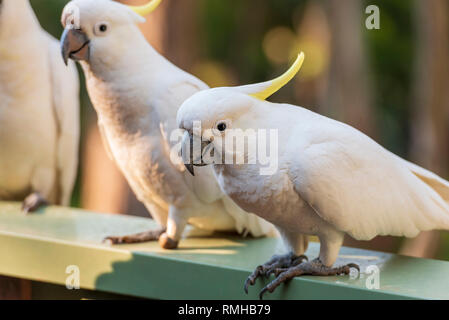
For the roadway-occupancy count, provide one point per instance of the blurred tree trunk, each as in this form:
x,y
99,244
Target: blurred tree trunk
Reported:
x,y
171,30
348,96
103,186
14,289
181,44
430,122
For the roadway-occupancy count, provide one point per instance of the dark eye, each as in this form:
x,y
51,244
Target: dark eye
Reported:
x,y
101,28
221,126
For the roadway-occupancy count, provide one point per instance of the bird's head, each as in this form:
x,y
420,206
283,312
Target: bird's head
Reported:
x,y
218,116
100,29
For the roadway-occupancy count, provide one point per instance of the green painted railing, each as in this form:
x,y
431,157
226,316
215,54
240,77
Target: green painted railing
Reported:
x,y
42,246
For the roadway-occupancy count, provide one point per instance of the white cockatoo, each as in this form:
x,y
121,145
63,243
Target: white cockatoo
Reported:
x,y
39,112
137,93
331,179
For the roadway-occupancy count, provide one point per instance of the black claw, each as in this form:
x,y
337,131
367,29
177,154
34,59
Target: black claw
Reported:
x,y
33,202
246,286
251,280
353,265
262,293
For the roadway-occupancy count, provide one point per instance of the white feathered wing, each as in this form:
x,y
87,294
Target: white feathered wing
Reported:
x,y
364,190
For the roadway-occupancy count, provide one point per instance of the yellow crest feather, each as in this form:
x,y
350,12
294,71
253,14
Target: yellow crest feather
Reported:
x,y
146,8
278,83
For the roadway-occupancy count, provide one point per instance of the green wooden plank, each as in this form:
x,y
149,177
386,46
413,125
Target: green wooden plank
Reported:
x,y
40,247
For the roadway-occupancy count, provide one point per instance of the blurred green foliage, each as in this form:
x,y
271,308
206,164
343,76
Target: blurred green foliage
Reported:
x,y
49,14
391,64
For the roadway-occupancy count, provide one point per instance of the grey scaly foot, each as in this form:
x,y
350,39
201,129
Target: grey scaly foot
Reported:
x,y
284,261
151,235
33,202
313,268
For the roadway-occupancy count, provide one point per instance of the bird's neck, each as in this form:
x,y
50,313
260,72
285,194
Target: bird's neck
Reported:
x,y
235,172
242,183
136,58
122,90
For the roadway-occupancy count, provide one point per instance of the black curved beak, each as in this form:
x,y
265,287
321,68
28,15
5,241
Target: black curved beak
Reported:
x,y
190,168
190,156
74,45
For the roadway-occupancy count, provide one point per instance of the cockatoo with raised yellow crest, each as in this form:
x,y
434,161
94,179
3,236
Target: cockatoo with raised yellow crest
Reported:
x,y
331,179
137,93
39,112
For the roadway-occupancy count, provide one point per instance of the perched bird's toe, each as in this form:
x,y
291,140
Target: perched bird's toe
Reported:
x,y
251,280
353,265
167,243
262,292
151,235
113,240
247,284
312,268
278,271
108,241
33,202
275,265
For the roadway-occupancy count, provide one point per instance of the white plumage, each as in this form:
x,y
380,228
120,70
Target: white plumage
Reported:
x,y
39,110
136,93
332,179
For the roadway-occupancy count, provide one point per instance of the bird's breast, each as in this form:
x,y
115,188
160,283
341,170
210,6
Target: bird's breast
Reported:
x,y
272,198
